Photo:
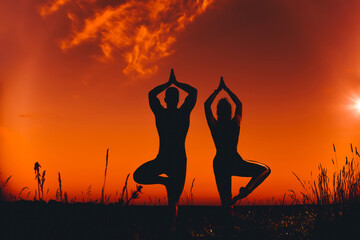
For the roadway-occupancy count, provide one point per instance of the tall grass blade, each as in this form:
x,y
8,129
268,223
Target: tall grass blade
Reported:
x,y
103,188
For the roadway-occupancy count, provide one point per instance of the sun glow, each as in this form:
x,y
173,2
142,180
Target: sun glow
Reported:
x,y
355,106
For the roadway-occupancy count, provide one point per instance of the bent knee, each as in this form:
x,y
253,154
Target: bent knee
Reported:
x,y
137,176
267,170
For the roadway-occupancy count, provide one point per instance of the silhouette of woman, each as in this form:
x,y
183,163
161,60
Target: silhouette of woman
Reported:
x,y
227,162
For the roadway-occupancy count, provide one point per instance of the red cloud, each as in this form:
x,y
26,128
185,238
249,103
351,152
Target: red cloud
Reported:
x,y
143,31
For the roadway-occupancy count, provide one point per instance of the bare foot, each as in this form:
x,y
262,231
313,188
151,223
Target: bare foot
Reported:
x,y
234,200
243,193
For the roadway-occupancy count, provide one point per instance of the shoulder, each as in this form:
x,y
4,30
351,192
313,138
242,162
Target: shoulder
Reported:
x,y
235,124
184,111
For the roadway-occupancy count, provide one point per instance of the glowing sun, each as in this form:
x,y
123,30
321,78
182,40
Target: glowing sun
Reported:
x,y
356,105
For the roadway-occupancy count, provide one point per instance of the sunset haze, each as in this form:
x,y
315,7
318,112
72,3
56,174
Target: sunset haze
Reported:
x,y
75,77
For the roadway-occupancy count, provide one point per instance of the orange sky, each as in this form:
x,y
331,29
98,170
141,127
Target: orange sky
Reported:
x,y
74,78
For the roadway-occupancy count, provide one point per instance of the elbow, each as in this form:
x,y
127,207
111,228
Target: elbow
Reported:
x,y
207,107
151,95
194,92
207,103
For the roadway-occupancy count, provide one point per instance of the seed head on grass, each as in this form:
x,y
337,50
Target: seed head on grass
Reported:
x,y
40,180
135,194
37,168
4,184
59,194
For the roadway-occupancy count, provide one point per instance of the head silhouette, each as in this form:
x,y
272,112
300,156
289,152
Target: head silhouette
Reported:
x,y
224,110
172,97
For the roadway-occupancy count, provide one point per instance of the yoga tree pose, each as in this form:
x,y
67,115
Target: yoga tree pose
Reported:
x,y
172,124
227,162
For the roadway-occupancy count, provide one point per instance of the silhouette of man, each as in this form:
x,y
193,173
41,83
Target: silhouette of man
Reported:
x,y
227,162
172,124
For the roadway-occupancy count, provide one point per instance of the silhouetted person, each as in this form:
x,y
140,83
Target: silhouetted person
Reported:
x,y
172,124
227,162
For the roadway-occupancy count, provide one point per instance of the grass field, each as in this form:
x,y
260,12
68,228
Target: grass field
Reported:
x,y
328,208
56,220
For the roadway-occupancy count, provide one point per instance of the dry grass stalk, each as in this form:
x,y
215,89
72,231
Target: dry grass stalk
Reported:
x,y
124,191
134,194
344,188
103,188
65,198
191,192
21,192
189,199
4,184
40,180
59,193
88,193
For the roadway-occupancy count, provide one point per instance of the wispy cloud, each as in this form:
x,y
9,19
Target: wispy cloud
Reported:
x,y
141,31
51,7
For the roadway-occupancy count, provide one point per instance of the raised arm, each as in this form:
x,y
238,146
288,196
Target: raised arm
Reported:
x,y
154,102
208,113
238,104
190,100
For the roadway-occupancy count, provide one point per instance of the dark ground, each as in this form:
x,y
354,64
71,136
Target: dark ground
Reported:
x,y
54,220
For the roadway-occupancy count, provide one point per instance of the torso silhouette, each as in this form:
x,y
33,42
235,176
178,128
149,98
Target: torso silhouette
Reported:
x,y
172,125
226,135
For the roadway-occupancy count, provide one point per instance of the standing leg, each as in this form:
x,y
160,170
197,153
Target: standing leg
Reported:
x,y
174,190
223,183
